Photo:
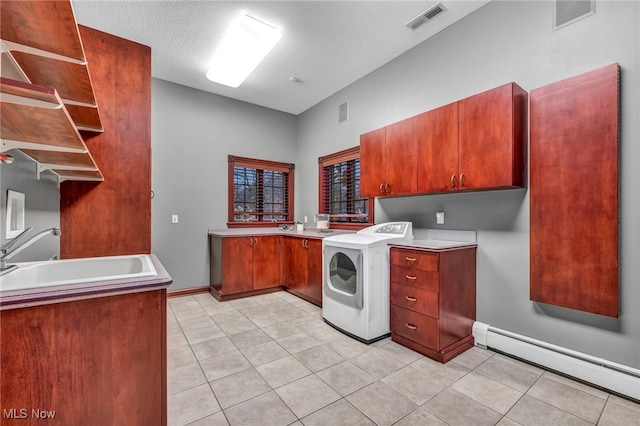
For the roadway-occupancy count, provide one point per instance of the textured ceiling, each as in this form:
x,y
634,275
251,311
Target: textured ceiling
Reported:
x,y
326,44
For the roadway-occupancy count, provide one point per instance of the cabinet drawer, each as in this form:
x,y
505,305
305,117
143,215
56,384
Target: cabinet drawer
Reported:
x,y
415,298
414,326
415,259
415,277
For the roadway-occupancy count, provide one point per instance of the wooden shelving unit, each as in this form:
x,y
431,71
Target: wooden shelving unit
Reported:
x,y
35,121
46,92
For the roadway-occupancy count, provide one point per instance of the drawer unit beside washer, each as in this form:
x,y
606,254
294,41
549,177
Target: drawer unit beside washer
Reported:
x,y
433,299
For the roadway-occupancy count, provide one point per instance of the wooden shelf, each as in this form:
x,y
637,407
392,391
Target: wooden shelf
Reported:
x,y
35,121
43,41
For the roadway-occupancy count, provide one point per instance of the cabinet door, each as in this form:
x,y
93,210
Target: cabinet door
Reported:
x,y
575,194
267,262
438,150
372,160
295,264
401,143
314,270
491,139
237,264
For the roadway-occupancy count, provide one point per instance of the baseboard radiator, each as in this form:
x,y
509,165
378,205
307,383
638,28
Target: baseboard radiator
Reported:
x,y
617,378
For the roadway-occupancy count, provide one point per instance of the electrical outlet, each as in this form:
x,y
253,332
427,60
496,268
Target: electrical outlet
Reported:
x,y
440,218
174,218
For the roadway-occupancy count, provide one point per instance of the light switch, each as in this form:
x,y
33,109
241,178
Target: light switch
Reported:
x,y
440,218
174,218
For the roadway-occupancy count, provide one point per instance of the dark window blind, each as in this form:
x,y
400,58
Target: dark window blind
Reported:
x,y
340,188
260,193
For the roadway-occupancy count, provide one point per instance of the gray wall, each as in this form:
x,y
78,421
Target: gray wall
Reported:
x,y
42,205
192,133
502,42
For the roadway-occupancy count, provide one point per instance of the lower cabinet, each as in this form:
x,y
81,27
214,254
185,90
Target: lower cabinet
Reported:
x,y
97,361
241,266
303,268
433,299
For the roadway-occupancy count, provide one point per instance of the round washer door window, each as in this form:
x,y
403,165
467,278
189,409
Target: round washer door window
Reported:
x,y
343,273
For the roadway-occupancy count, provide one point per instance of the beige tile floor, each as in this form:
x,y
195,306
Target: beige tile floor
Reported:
x,y
271,360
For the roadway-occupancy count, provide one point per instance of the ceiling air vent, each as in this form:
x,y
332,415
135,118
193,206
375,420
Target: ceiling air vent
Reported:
x,y
426,16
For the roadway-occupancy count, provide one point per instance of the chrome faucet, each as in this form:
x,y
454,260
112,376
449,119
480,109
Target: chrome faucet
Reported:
x,y
16,245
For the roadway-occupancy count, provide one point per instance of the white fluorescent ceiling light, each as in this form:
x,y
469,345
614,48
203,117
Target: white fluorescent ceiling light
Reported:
x,y
245,45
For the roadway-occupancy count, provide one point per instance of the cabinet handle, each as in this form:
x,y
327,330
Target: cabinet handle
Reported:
x,y
453,181
386,188
305,244
250,242
382,188
461,179
255,241
410,277
411,326
410,259
410,299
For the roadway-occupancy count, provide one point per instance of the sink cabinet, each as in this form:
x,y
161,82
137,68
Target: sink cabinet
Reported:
x,y
96,361
245,265
433,299
303,268
388,161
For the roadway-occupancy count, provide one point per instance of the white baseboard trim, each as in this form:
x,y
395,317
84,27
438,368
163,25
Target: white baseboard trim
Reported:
x,y
606,374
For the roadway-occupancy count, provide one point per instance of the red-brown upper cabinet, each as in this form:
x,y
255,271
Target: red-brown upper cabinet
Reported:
x,y
491,139
388,161
438,149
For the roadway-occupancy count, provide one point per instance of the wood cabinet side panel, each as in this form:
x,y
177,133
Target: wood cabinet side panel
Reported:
x,y
372,161
138,327
438,149
314,270
457,294
574,192
401,167
113,217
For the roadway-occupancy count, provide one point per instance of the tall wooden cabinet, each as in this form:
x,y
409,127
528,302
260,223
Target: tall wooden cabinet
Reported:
x,y
303,268
388,164
574,192
113,217
433,299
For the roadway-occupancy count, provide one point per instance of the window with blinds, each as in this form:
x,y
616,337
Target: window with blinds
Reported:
x,y
340,190
260,191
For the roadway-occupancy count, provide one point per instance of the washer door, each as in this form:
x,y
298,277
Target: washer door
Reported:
x,y
343,275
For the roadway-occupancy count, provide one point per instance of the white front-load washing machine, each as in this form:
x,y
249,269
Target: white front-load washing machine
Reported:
x,y
355,277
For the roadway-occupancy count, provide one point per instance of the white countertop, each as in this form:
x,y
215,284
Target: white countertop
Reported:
x,y
433,244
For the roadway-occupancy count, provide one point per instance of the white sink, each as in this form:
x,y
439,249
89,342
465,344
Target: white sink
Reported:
x,y
30,275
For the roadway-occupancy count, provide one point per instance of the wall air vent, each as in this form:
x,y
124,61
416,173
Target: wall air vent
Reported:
x,y
426,16
343,112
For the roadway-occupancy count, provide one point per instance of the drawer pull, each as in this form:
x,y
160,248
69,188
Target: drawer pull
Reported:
x,y
410,299
410,277
411,326
410,259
